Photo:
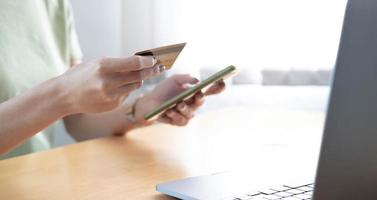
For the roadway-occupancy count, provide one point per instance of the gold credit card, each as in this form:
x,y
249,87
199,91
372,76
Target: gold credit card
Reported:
x,y
165,55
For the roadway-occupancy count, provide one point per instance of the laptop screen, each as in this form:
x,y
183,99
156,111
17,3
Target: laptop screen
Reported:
x,y
348,161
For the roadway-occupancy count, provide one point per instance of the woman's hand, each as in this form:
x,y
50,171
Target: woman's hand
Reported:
x,y
181,114
101,85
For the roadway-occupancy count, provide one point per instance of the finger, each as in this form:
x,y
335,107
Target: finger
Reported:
x,y
215,88
149,72
183,79
126,89
133,63
185,110
137,76
198,101
176,118
191,100
122,78
165,119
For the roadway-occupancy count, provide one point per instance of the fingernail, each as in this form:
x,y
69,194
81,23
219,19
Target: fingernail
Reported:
x,y
154,61
169,112
138,85
157,69
200,95
181,106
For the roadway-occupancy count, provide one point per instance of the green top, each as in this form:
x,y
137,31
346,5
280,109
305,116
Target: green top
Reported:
x,y
37,42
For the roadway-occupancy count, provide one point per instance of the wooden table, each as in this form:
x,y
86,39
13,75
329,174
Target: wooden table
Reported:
x,y
129,167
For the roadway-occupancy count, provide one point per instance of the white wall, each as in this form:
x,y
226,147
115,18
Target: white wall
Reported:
x,y
123,27
113,27
137,26
299,34
98,25
274,34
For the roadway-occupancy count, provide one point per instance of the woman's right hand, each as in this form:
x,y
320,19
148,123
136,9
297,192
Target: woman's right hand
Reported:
x,y
101,85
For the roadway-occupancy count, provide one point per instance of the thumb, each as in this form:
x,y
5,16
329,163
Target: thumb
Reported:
x,y
183,79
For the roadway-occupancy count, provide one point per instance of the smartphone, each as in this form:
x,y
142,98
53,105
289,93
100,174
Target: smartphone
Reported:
x,y
221,75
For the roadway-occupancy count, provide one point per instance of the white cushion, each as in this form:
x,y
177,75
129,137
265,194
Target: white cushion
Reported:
x,y
296,77
275,77
301,77
248,76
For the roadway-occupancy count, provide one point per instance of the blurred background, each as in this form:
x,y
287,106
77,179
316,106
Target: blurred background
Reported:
x,y
286,50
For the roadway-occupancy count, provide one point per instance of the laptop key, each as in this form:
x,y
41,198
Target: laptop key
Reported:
x,y
258,197
291,198
294,191
272,197
267,191
305,188
244,197
303,196
280,188
254,193
303,192
283,194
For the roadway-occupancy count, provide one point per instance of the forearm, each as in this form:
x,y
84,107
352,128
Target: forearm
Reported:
x,y
25,115
88,126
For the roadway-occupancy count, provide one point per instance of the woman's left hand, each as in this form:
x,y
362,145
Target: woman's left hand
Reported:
x,y
184,111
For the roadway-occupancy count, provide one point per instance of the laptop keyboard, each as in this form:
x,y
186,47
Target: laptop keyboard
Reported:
x,y
285,192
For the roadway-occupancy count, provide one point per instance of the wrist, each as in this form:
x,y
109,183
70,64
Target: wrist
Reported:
x,y
139,116
63,101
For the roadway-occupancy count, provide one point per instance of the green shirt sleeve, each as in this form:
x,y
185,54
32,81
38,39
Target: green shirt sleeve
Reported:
x,y
38,40
61,18
74,45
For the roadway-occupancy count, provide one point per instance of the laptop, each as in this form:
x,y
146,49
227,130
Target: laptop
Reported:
x,y
347,167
